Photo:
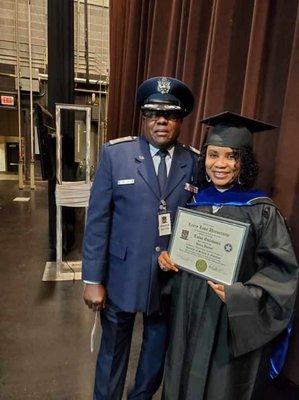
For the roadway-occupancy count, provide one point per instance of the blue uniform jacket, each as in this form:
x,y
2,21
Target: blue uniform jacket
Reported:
x,y
121,239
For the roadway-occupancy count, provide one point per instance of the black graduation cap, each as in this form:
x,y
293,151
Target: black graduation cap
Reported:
x,y
233,130
163,93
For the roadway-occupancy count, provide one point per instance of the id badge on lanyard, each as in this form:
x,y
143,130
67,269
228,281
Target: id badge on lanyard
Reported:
x,y
164,221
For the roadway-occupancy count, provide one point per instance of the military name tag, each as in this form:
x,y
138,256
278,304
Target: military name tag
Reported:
x,y
126,182
164,223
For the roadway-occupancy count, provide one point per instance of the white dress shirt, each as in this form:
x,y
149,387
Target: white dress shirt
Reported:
x,y
157,159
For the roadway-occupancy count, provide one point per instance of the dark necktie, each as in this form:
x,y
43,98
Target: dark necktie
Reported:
x,y
162,170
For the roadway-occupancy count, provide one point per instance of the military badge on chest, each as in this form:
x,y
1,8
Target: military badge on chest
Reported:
x,y
164,220
191,188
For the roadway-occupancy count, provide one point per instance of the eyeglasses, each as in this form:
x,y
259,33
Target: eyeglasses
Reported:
x,y
155,115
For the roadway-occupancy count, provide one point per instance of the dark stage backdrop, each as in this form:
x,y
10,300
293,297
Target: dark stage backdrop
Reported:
x,y
237,55
61,90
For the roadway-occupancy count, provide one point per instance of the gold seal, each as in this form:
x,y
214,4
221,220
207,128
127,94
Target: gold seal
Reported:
x,y
201,265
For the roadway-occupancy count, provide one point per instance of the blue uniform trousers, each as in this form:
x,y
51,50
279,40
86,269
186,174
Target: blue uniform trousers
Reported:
x,y
112,363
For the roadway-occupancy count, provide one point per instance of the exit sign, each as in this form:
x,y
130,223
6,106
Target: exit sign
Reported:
x,y
7,100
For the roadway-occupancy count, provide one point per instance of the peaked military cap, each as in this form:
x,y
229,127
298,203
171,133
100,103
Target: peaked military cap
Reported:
x,y
233,130
165,94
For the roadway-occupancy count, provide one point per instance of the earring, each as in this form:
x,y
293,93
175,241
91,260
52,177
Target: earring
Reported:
x,y
208,178
239,181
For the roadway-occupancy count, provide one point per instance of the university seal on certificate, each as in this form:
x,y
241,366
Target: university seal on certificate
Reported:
x,y
208,245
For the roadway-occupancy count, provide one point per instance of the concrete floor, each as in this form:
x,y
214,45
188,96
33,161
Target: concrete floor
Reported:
x,y
44,326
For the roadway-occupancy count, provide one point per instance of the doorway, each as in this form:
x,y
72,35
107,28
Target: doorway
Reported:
x,y
12,156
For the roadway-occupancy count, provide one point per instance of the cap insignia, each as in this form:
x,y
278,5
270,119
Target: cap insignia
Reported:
x,y
163,85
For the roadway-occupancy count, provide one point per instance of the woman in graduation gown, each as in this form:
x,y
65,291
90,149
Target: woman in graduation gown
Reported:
x,y
221,335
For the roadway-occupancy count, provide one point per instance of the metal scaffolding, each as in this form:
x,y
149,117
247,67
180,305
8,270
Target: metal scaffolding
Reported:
x,y
68,194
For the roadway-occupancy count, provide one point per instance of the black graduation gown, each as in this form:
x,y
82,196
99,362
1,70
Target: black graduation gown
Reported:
x,y
215,348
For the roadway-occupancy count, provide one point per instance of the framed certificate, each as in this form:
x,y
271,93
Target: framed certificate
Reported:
x,y
208,245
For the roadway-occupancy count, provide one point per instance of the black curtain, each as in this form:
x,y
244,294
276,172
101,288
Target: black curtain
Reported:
x,y
61,90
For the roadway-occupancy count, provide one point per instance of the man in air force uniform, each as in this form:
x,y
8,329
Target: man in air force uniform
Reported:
x,y
139,184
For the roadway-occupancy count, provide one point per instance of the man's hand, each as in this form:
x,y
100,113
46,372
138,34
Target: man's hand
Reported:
x,y
95,296
165,262
218,289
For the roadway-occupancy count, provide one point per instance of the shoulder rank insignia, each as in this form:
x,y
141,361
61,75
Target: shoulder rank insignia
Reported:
x,y
193,149
196,151
122,140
